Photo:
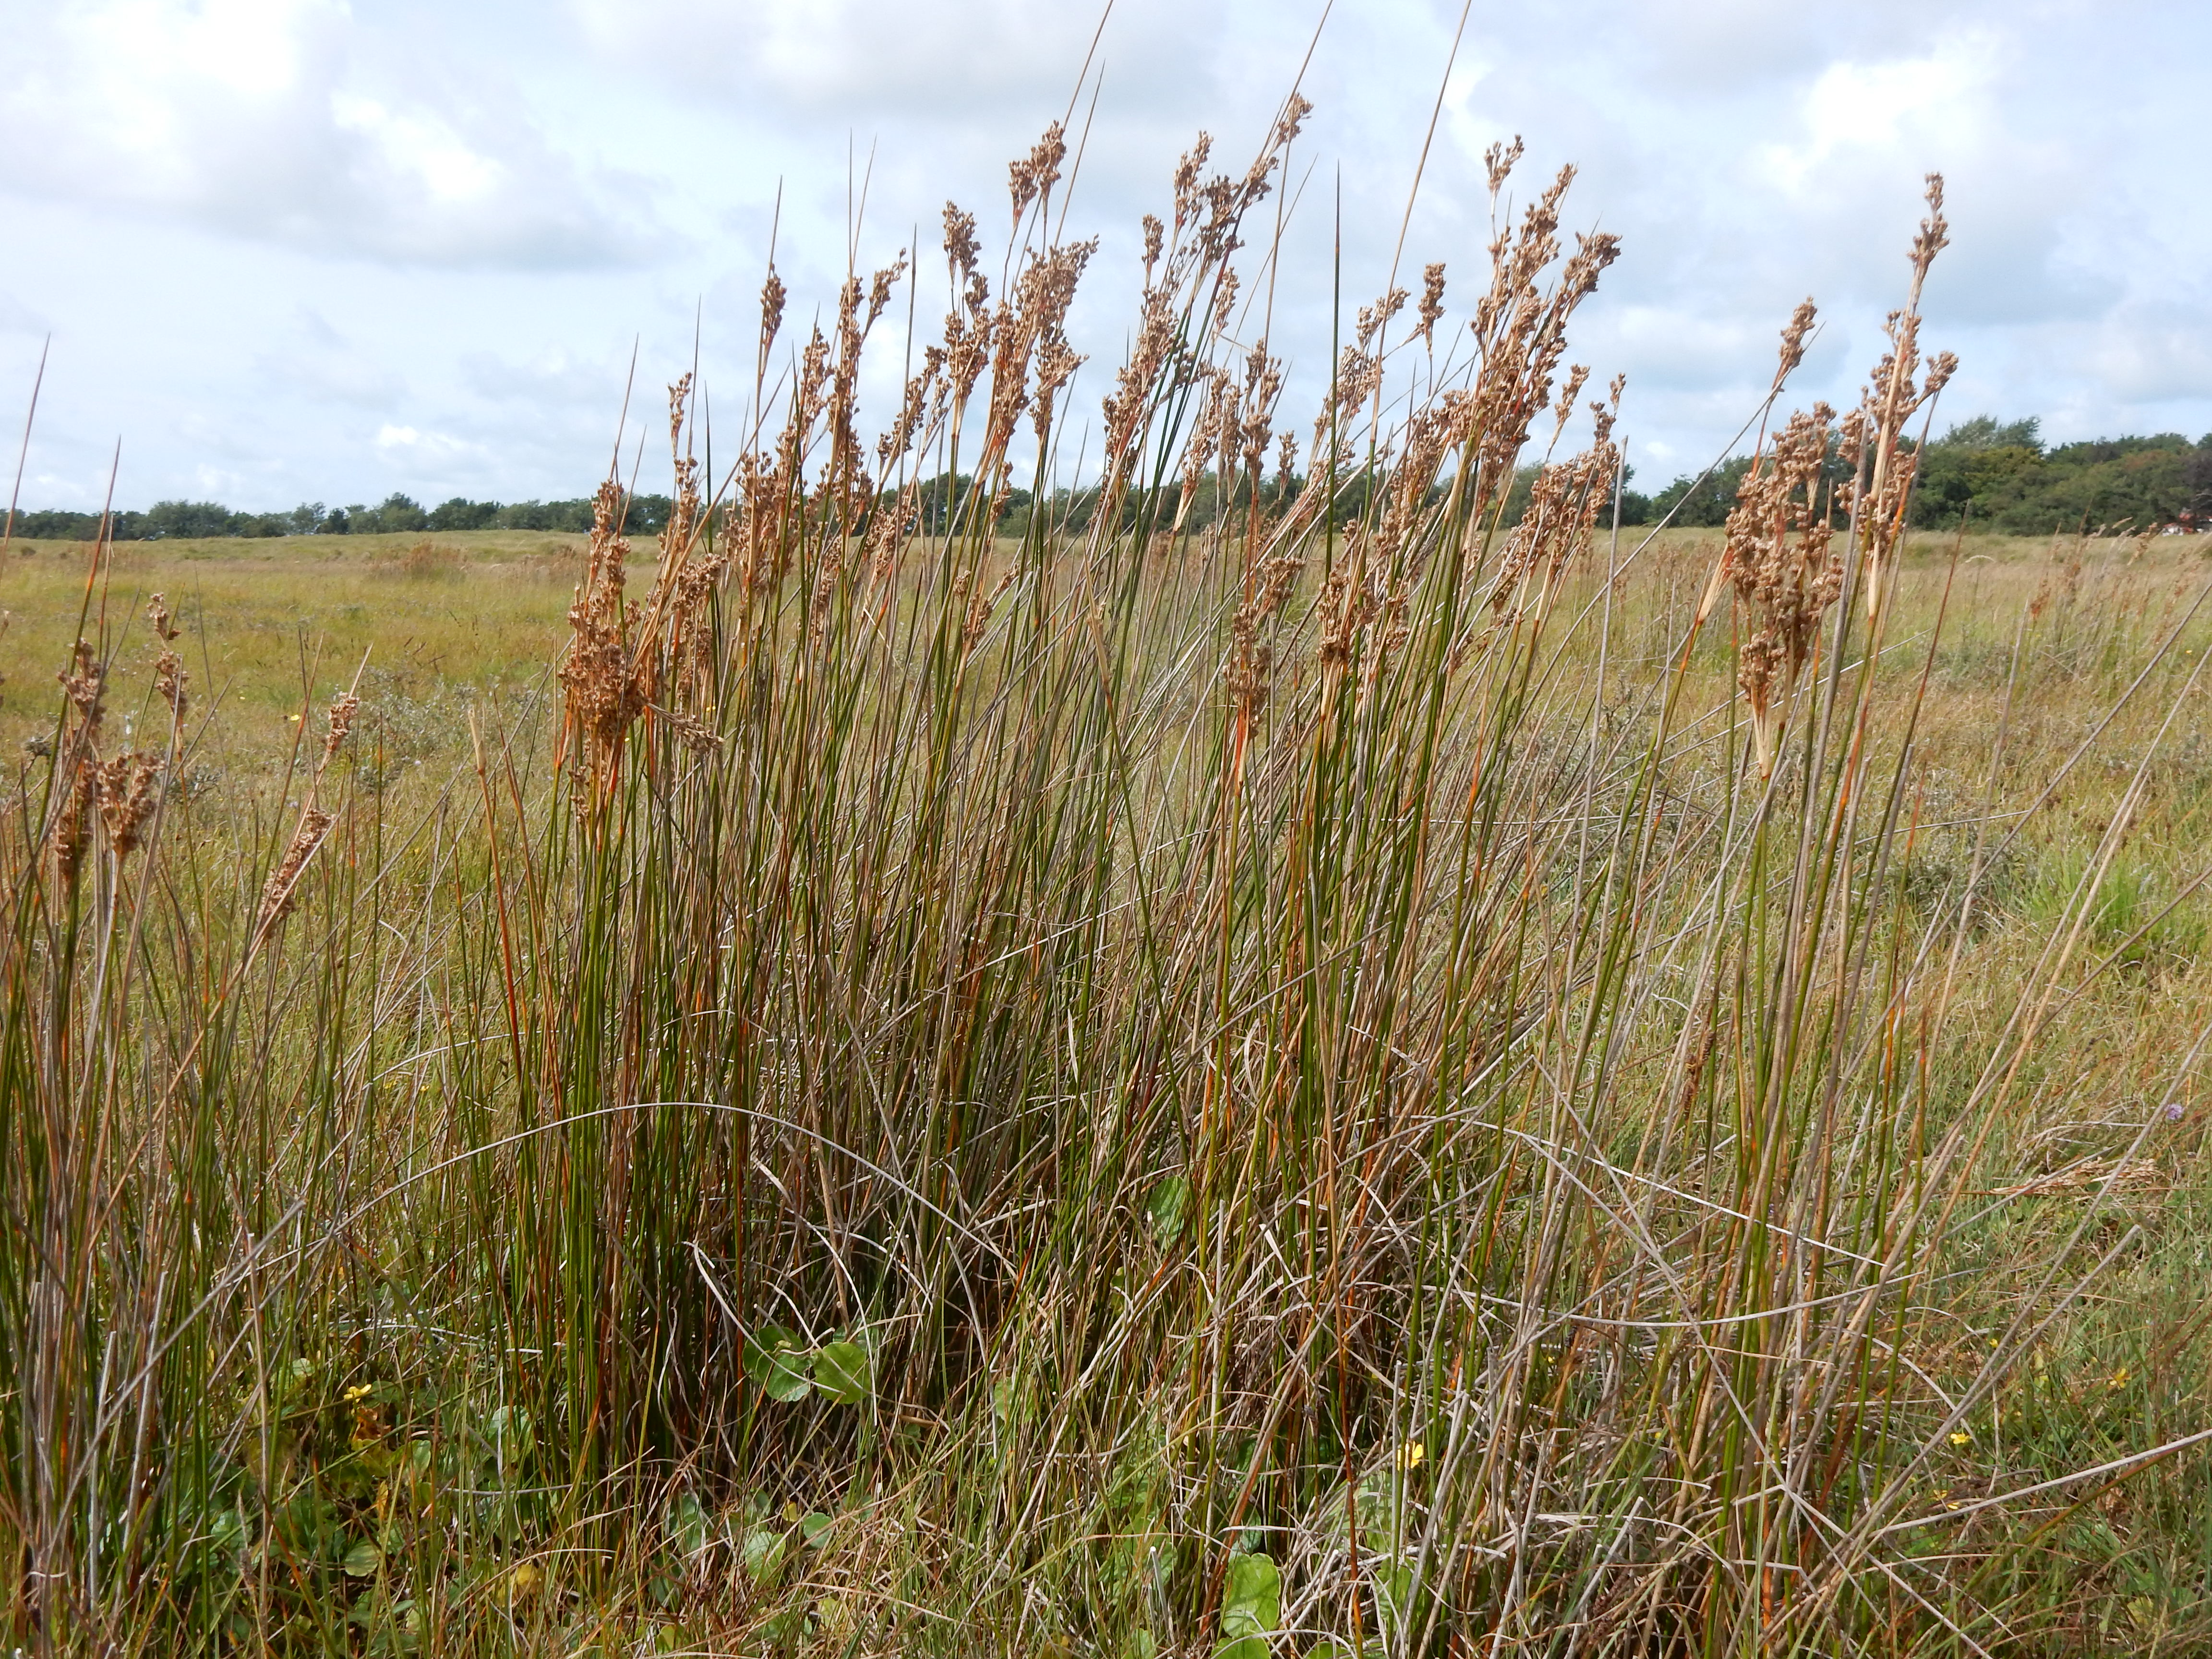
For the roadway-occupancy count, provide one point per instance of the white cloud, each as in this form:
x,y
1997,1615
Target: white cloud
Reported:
x,y
2149,354
947,60
335,222
288,121
313,359
1913,106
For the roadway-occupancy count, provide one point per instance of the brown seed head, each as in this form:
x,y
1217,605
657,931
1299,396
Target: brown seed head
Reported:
x,y
1793,342
1032,178
1934,230
340,725
81,684
169,682
1499,161
960,246
281,889
772,298
1432,302
126,788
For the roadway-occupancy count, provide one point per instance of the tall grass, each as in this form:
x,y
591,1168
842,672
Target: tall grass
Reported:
x,y
1288,1087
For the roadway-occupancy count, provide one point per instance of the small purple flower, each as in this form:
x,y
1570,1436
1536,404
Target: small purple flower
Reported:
x,y
2173,1112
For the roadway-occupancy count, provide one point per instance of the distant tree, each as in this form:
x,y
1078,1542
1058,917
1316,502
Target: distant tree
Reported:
x,y
1701,504
461,513
574,517
398,513
57,526
190,519
1962,473
2196,481
2000,475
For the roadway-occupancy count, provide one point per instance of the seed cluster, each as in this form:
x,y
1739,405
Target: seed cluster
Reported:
x,y
1780,555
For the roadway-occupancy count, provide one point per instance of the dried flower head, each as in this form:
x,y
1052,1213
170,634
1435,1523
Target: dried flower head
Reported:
x,y
340,725
1031,179
1793,342
72,824
81,684
960,246
126,788
169,682
1432,302
880,286
1785,572
281,889
602,701
773,296
1499,161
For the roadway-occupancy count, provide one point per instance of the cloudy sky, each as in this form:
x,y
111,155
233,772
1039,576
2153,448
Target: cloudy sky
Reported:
x,y
292,250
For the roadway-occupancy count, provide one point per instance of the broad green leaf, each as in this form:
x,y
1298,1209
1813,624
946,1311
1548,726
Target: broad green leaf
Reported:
x,y
841,1371
814,1527
762,1552
777,1360
1165,1209
363,1560
1251,1607
1006,1402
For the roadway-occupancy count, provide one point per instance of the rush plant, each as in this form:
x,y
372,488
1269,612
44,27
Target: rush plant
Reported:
x,y
1216,1083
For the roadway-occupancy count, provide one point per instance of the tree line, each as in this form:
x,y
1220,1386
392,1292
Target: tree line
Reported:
x,y
1992,475
2000,475
397,512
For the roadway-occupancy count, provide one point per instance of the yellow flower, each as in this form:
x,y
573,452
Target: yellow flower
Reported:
x,y
359,1391
2118,1378
1959,1438
525,1579
1411,1454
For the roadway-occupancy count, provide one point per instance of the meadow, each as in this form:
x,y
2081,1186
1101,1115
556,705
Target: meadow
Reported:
x,y
1363,1079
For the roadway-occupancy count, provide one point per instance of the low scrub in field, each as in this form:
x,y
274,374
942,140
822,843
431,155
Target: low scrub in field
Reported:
x,y
1370,1082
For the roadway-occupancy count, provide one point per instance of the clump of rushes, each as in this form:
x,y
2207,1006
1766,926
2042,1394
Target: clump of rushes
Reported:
x,y
1230,1073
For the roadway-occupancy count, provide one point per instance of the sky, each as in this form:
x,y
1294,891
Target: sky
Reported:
x,y
286,250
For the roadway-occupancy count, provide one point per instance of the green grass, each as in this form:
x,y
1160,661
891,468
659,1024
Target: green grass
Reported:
x,y
1291,1089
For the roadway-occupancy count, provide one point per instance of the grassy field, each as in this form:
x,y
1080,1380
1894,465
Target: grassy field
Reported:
x,y
1386,1083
